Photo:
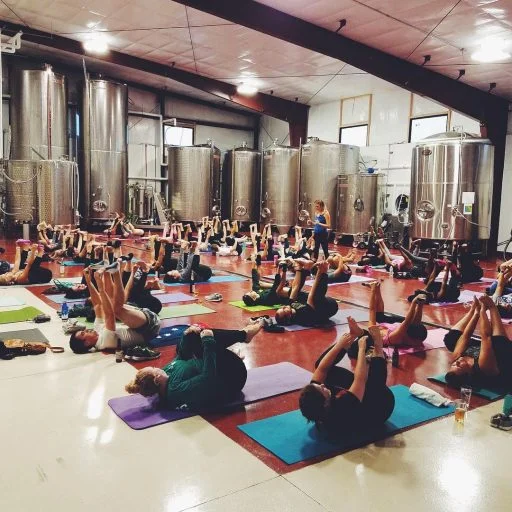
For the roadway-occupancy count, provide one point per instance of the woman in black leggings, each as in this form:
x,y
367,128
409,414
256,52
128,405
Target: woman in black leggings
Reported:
x,y
341,402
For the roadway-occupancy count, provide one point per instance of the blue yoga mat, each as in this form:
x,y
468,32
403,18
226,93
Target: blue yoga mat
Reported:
x,y
213,279
168,336
292,439
490,394
71,263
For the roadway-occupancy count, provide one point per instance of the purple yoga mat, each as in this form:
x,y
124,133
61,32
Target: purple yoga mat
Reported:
x,y
465,296
139,412
169,298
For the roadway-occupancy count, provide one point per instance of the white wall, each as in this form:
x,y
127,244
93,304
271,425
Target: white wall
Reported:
x,y
271,129
324,121
505,217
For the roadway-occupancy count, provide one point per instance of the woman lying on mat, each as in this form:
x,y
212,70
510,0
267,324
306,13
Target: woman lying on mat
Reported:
x,y
341,402
484,362
268,294
27,266
108,300
339,271
317,309
501,292
394,329
189,267
448,290
204,374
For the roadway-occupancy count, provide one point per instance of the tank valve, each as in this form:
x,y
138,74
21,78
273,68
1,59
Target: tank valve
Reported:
x,y
265,212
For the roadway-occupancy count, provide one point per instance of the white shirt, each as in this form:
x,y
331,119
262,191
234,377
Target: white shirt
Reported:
x,y
107,339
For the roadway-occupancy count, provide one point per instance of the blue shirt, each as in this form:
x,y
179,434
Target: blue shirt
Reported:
x,y
320,229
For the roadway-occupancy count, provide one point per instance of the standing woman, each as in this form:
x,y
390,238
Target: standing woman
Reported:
x,y
320,232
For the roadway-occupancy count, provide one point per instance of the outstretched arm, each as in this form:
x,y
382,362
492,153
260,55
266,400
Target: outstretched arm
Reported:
x,y
329,359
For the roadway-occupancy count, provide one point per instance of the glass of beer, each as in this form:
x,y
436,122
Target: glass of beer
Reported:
x,y
461,408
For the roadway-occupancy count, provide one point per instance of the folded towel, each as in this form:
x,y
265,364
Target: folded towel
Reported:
x,y
429,395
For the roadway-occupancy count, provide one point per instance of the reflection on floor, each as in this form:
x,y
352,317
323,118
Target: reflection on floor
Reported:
x,y
63,449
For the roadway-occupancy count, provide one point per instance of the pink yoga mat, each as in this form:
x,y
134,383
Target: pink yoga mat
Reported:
x,y
435,339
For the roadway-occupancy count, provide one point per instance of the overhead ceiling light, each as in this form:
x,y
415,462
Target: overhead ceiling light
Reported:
x,y
491,51
96,43
246,89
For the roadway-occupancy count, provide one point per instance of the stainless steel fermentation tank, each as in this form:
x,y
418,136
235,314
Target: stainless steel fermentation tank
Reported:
x,y
451,187
43,190
38,114
359,199
280,186
320,164
194,181
241,184
104,155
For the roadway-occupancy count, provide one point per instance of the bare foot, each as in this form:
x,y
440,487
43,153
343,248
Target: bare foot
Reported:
x,y
252,329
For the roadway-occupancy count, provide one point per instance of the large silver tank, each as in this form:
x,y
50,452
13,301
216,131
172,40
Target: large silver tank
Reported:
x,y
451,187
194,181
320,164
38,114
241,184
359,199
38,190
280,186
104,148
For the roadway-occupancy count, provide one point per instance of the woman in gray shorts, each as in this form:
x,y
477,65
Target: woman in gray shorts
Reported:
x,y
108,300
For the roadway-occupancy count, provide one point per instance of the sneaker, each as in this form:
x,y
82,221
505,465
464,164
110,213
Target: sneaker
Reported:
x,y
214,297
128,354
144,354
72,326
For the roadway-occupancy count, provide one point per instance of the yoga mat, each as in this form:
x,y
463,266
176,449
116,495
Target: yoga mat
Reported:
x,y
489,393
184,310
139,412
253,309
71,263
213,279
169,298
25,335
168,336
11,301
353,279
340,318
465,296
435,339
60,298
483,280
292,439
19,315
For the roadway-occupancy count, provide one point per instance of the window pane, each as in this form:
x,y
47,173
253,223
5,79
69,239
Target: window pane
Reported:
x,y
425,126
354,135
178,136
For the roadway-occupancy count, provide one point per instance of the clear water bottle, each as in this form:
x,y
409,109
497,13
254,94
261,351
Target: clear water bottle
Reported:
x,y
62,268
64,311
391,271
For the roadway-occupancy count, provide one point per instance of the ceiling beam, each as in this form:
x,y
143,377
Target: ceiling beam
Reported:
x,y
410,76
286,110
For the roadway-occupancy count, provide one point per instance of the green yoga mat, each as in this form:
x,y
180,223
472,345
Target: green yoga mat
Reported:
x,y
490,394
19,315
253,309
184,310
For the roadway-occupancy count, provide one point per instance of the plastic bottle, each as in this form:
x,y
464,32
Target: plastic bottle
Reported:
x,y
119,351
391,271
62,268
64,311
395,358
276,258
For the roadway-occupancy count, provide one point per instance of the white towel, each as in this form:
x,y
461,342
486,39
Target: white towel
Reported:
x,y
429,395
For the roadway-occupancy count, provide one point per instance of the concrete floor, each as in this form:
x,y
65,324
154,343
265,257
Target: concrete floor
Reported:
x,y
64,449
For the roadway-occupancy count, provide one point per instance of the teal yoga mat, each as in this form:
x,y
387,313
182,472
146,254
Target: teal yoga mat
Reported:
x,y
213,279
292,439
490,394
71,263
